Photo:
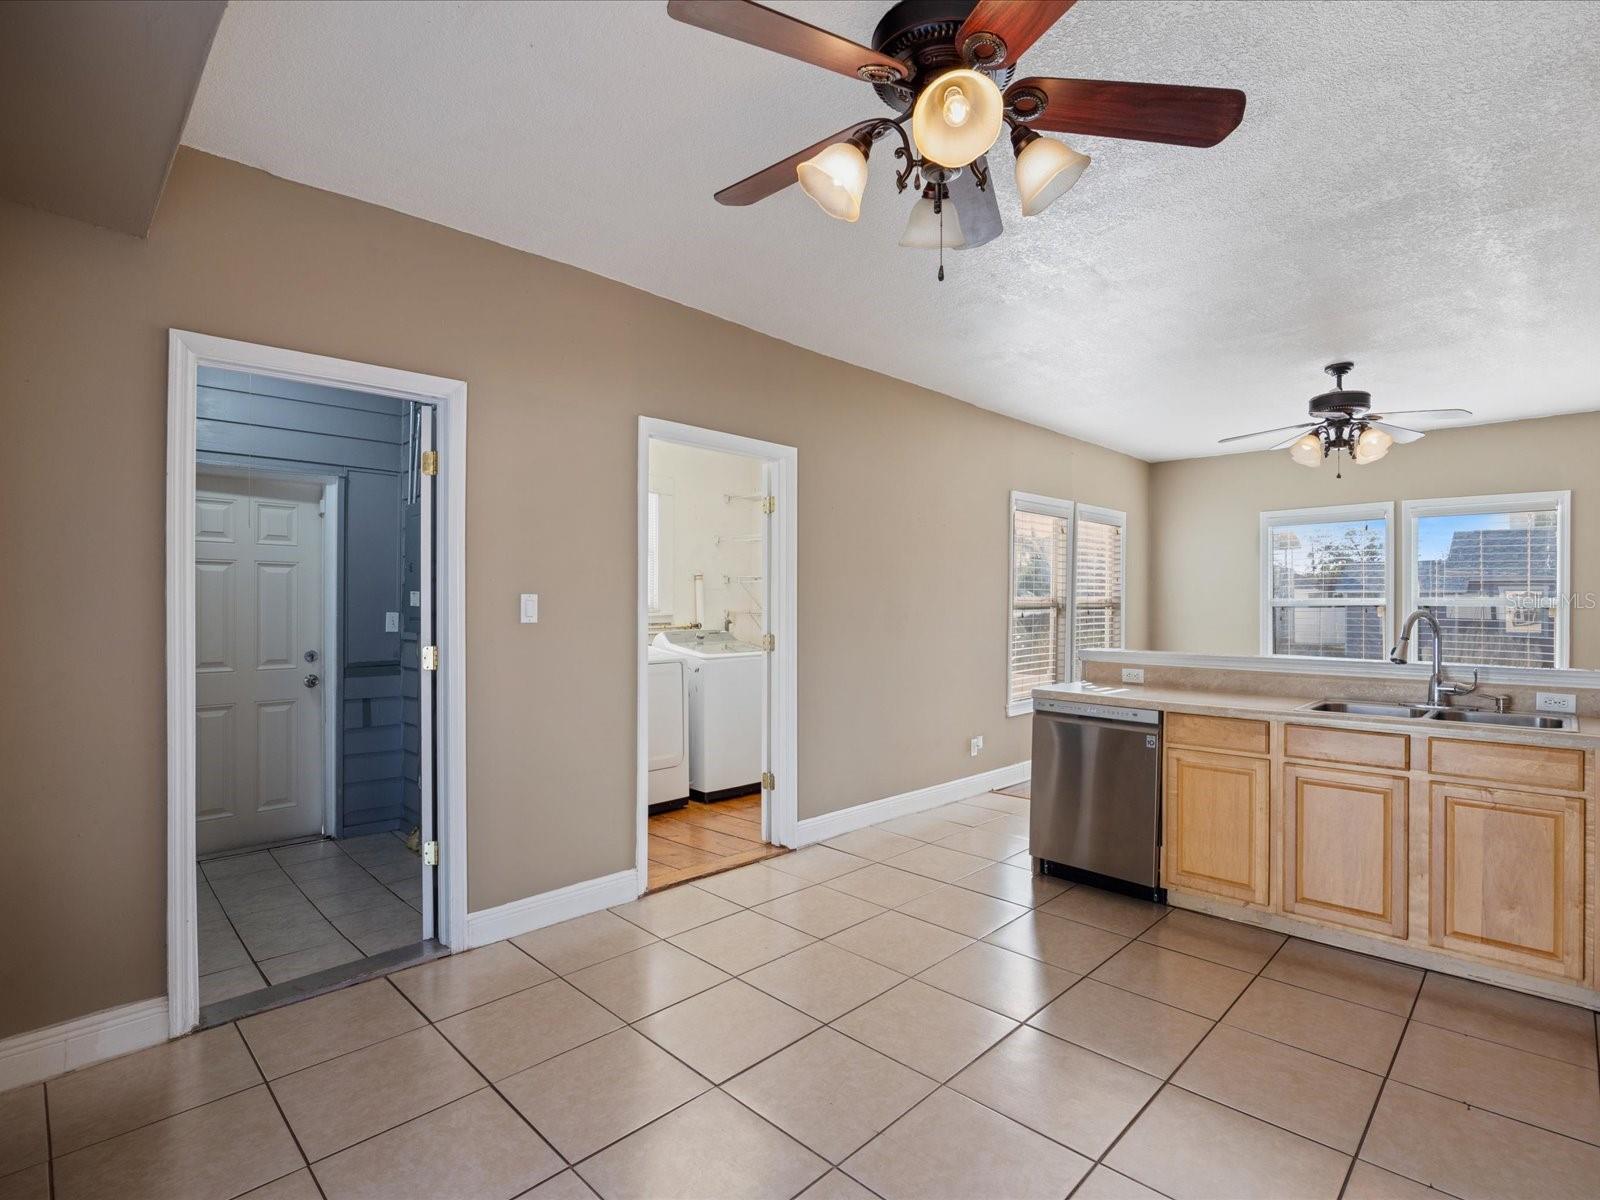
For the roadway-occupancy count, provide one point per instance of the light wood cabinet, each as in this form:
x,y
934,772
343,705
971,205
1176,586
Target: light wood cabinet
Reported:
x,y
1228,734
1217,814
1506,876
1344,847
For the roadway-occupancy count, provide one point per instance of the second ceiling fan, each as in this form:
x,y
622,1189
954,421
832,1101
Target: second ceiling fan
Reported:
x,y
946,67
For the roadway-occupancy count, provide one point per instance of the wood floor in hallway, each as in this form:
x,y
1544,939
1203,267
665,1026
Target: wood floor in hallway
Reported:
x,y
701,839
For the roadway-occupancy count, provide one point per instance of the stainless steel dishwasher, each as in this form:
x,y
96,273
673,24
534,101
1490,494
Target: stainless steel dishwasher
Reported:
x,y
1096,810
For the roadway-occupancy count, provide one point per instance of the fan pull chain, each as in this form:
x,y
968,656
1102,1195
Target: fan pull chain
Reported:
x,y
939,205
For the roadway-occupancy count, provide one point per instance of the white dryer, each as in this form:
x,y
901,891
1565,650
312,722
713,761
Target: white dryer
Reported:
x,y
727,679
668,714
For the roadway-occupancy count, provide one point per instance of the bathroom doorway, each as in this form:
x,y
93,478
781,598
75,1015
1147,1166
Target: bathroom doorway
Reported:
x,y
715,624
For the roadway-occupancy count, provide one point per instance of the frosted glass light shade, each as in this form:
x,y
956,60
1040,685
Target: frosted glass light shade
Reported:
x,y
835,179
1372,445
1307,451
922,230
957,117
1045,169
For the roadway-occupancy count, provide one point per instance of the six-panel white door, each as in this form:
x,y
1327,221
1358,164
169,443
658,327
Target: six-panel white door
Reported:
x,y
259,702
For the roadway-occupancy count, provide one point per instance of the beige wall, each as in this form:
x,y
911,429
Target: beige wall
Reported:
x,y
1205,528
896,483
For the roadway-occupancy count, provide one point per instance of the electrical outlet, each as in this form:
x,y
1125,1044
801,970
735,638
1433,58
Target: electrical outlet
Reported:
x,y
974,746
1561,702
1132,674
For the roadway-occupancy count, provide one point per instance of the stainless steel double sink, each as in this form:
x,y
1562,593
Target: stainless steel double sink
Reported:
x,y
1421,712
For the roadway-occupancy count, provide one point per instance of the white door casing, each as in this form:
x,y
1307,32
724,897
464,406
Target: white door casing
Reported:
x,y
258,612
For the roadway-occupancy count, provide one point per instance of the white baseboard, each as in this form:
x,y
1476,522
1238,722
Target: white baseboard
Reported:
x,y
29,1057
859,816
562,904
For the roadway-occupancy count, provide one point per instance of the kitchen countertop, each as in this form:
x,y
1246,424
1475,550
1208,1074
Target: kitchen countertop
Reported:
x,y
1261,706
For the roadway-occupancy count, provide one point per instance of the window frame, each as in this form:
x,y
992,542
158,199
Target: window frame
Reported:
x,y
1101,516
1467,506
1383,510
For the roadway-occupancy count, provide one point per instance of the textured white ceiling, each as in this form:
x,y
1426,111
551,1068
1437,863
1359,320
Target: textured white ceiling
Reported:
x,y
1415,186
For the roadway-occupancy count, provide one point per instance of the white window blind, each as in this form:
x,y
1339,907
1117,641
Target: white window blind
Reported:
x,y
1041,589
1493,571
1325,582
1097,583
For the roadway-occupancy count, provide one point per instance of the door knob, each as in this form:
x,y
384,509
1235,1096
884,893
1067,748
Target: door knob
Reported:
x,y
311,656
312,681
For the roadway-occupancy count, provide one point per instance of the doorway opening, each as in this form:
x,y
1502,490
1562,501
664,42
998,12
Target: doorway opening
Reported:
x,y
315,788
716,676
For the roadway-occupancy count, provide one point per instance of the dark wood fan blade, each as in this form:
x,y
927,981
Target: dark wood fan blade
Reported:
x,y
1017,23
760,26
1240,437
1146,112
976,208
771,180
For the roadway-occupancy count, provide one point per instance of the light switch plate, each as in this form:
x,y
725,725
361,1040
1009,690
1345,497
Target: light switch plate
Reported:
x,y
416,599
529,610
1558,702
1132,674
391,622
975,746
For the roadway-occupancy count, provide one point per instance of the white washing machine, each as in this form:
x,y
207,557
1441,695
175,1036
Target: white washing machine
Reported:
x,y
668,713
727,679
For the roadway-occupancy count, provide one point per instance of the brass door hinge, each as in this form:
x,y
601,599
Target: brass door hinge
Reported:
x,y
430,854
769,642
430,658
430,462
769,781
769,505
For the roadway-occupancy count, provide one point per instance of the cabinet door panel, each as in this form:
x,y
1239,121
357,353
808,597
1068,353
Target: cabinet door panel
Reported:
x,y
1507,877
1216,824
1344,848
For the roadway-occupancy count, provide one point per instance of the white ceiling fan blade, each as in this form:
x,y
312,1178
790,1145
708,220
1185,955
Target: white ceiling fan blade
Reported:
x,y
1398,432
1240,437
1429,412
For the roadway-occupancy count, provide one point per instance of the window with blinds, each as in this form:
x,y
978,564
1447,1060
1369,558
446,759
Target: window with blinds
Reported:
x,y
1325,579
1097,581
1492,570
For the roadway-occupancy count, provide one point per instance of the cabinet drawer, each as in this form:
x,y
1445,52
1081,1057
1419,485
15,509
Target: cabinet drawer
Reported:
x,y
1353,747
1217,733
1558,767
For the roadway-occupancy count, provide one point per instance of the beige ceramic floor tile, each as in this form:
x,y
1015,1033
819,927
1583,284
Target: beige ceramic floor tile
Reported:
x,y
587,1098
1106,910
817,864
1002,980
823,980
925,1029
30,1183
675,910
963,814
1202,987
1000,802
752,885
1370,981
220,948
565,1186
938,863
301,963
273,933
650,978
225,985
296,1186
1191,1148
340,1102
217,1150
819,911
1475,1154
583,941
722,1031
741,942
1243,947
993,844
830,1093
236,865
835,1185
1105,1184
1013,884
450,985
1294,1089
512,1034
1067,1093
370,894
308,852
899,942
1061,943
23,1140
113,1097
298,1035
883,885
1514,1083
1338,1029
1368,1182
1017,826
712,1148
475,1148
971,913
386,927
950,1148
921,827
1499,1015
875,844
1135,1030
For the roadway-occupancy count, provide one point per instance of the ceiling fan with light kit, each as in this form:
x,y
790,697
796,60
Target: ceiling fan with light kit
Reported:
x,y
1344,424
946,67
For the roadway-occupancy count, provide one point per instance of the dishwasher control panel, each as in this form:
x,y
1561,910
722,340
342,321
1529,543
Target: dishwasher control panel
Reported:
x,y
1100,712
